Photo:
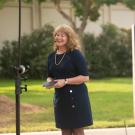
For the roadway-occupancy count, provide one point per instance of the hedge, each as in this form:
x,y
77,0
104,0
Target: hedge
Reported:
x,y
108,55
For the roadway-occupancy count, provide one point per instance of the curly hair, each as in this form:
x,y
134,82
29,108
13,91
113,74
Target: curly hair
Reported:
x,y
73,40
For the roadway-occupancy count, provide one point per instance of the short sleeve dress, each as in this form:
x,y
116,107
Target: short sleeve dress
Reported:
x,y
71,103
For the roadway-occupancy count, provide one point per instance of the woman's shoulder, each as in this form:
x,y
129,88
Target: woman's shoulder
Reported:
x,y
76,53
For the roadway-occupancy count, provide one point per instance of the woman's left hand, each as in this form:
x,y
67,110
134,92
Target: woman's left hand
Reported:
x,y
60,83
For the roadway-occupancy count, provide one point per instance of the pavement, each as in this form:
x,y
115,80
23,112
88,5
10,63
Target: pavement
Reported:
x,y
106,131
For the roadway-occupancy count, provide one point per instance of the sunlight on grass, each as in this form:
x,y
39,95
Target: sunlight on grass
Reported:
x,y
111,101
108,85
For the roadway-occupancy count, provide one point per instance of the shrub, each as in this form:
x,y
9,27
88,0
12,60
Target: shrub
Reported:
x,y
110,53
34,51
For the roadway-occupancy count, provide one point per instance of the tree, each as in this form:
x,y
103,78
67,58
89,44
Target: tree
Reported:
x,y
2,2
85,10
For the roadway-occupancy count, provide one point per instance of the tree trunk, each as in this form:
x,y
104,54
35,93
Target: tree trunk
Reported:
x,y
80,30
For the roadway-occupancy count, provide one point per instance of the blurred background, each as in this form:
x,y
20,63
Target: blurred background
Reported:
x,y
104,29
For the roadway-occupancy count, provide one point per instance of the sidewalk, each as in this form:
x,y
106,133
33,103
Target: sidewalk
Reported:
x,y
108,131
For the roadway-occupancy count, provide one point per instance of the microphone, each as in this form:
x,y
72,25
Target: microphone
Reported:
x,y
22,69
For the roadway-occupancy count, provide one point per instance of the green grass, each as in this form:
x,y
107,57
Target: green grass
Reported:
x,y
111,101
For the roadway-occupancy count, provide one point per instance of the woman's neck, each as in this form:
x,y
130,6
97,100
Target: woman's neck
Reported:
x,y
61,50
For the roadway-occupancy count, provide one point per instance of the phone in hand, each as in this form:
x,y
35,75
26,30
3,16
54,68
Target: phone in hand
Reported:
x,y
49,84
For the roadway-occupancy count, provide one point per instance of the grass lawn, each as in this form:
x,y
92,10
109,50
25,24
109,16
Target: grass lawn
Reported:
x,y
111,101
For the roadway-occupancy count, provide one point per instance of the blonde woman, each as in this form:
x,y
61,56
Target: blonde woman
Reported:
x,y
67,67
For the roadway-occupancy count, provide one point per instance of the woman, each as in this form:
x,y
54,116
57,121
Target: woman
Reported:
x,y
67,67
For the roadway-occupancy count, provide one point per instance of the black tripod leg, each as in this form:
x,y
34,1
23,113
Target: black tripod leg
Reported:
x,y
17,92
17,114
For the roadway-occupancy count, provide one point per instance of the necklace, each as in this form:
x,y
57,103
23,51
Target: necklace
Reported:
x,y
60,60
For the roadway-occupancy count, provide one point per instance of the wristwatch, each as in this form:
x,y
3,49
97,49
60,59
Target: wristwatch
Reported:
x,y
66,81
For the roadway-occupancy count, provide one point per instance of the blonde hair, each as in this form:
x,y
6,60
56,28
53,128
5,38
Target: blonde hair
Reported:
x,y
73,40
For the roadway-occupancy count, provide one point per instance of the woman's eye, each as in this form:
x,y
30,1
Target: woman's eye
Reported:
x,y
60,35
63,35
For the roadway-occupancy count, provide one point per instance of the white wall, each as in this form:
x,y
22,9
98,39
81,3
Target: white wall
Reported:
x,y
49,14
122,16
9,22
35,16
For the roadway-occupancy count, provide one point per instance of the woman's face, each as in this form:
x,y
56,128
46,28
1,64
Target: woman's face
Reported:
x,y
61,39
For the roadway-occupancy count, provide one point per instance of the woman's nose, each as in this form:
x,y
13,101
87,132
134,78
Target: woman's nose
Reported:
x,y
58,37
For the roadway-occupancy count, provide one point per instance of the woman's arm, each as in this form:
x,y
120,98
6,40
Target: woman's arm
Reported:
x,y
74,80
77,80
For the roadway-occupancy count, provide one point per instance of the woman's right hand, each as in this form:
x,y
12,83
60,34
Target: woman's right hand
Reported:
x,y
49,79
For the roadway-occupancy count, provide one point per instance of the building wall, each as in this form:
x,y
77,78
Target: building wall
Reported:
x,y
35,16
9,21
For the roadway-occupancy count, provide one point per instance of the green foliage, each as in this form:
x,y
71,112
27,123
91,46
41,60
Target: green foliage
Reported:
x,y
34,51
91,6
130,3
94,13
107,2
80,7
2,2
110,53
83,7
7,58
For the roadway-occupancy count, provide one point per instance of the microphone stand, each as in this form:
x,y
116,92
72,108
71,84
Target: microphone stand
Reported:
x,y
20,70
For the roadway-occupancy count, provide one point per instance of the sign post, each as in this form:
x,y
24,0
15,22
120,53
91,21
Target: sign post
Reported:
x,y
133,66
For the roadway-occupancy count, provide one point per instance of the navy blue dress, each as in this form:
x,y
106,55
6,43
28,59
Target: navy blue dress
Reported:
x,y
71,103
